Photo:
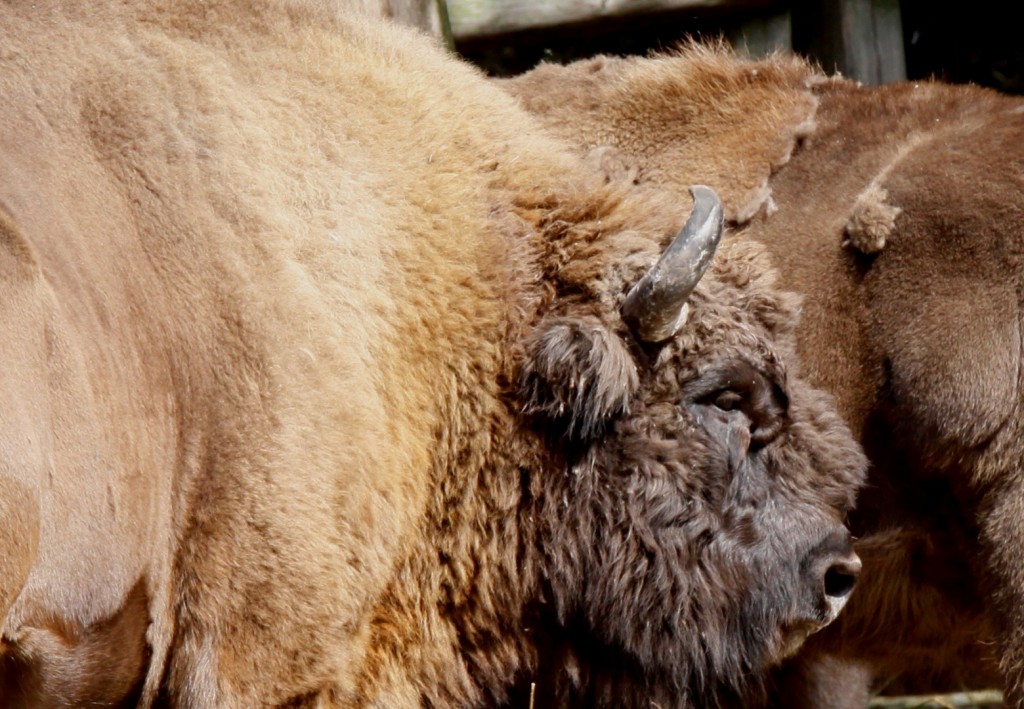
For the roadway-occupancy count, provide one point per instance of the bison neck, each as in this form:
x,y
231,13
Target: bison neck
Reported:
x,y
449,629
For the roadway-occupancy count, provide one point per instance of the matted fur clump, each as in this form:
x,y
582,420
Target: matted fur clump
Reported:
x,y
317,392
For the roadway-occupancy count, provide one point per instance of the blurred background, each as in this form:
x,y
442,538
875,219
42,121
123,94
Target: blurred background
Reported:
x,y
873,41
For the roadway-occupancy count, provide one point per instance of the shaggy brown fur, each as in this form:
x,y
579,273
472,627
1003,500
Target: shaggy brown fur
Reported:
x,y
914,326
315,390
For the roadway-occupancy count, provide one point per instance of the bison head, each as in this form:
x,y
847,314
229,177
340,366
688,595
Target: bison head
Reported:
x,y
693,532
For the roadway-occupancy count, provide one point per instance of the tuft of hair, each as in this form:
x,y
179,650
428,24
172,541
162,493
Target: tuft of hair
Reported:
x,y
872,221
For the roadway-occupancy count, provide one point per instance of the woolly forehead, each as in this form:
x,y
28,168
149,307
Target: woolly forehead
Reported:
x,y
737,308
595,258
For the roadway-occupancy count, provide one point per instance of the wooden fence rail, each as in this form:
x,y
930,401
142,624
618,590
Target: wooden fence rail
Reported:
x,y
862,39
988,699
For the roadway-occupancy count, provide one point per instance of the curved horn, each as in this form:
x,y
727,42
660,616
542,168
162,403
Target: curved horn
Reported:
x,y
655,307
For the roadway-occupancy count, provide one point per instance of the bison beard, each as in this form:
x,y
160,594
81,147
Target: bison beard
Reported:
x,y
690,589
328,382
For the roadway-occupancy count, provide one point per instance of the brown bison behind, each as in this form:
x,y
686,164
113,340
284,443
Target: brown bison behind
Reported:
x,y
900,219
316,389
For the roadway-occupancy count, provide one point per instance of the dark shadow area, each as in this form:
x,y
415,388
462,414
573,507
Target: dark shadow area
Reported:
x,y
980,43
514,53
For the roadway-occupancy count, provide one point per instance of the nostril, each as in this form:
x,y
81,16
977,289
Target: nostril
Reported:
x,y
841,577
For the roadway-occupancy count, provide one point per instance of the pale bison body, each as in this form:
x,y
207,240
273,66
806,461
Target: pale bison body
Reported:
x,y
316,391
900,219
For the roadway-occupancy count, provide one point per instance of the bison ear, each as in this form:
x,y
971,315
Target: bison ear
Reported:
x,y
578,374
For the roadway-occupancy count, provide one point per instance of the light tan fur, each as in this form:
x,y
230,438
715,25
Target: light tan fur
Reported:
x,y
242,325
265,279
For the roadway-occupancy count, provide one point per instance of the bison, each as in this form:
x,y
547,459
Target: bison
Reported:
x,y
331,379
899,218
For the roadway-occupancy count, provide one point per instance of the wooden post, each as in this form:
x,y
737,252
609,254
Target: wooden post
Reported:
x,y
862,39
431,16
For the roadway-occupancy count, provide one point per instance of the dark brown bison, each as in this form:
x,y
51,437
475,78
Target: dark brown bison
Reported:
x,y
331,380
900,219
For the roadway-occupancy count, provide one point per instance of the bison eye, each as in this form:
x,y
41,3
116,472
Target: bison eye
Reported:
x,y
746,395
727,400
